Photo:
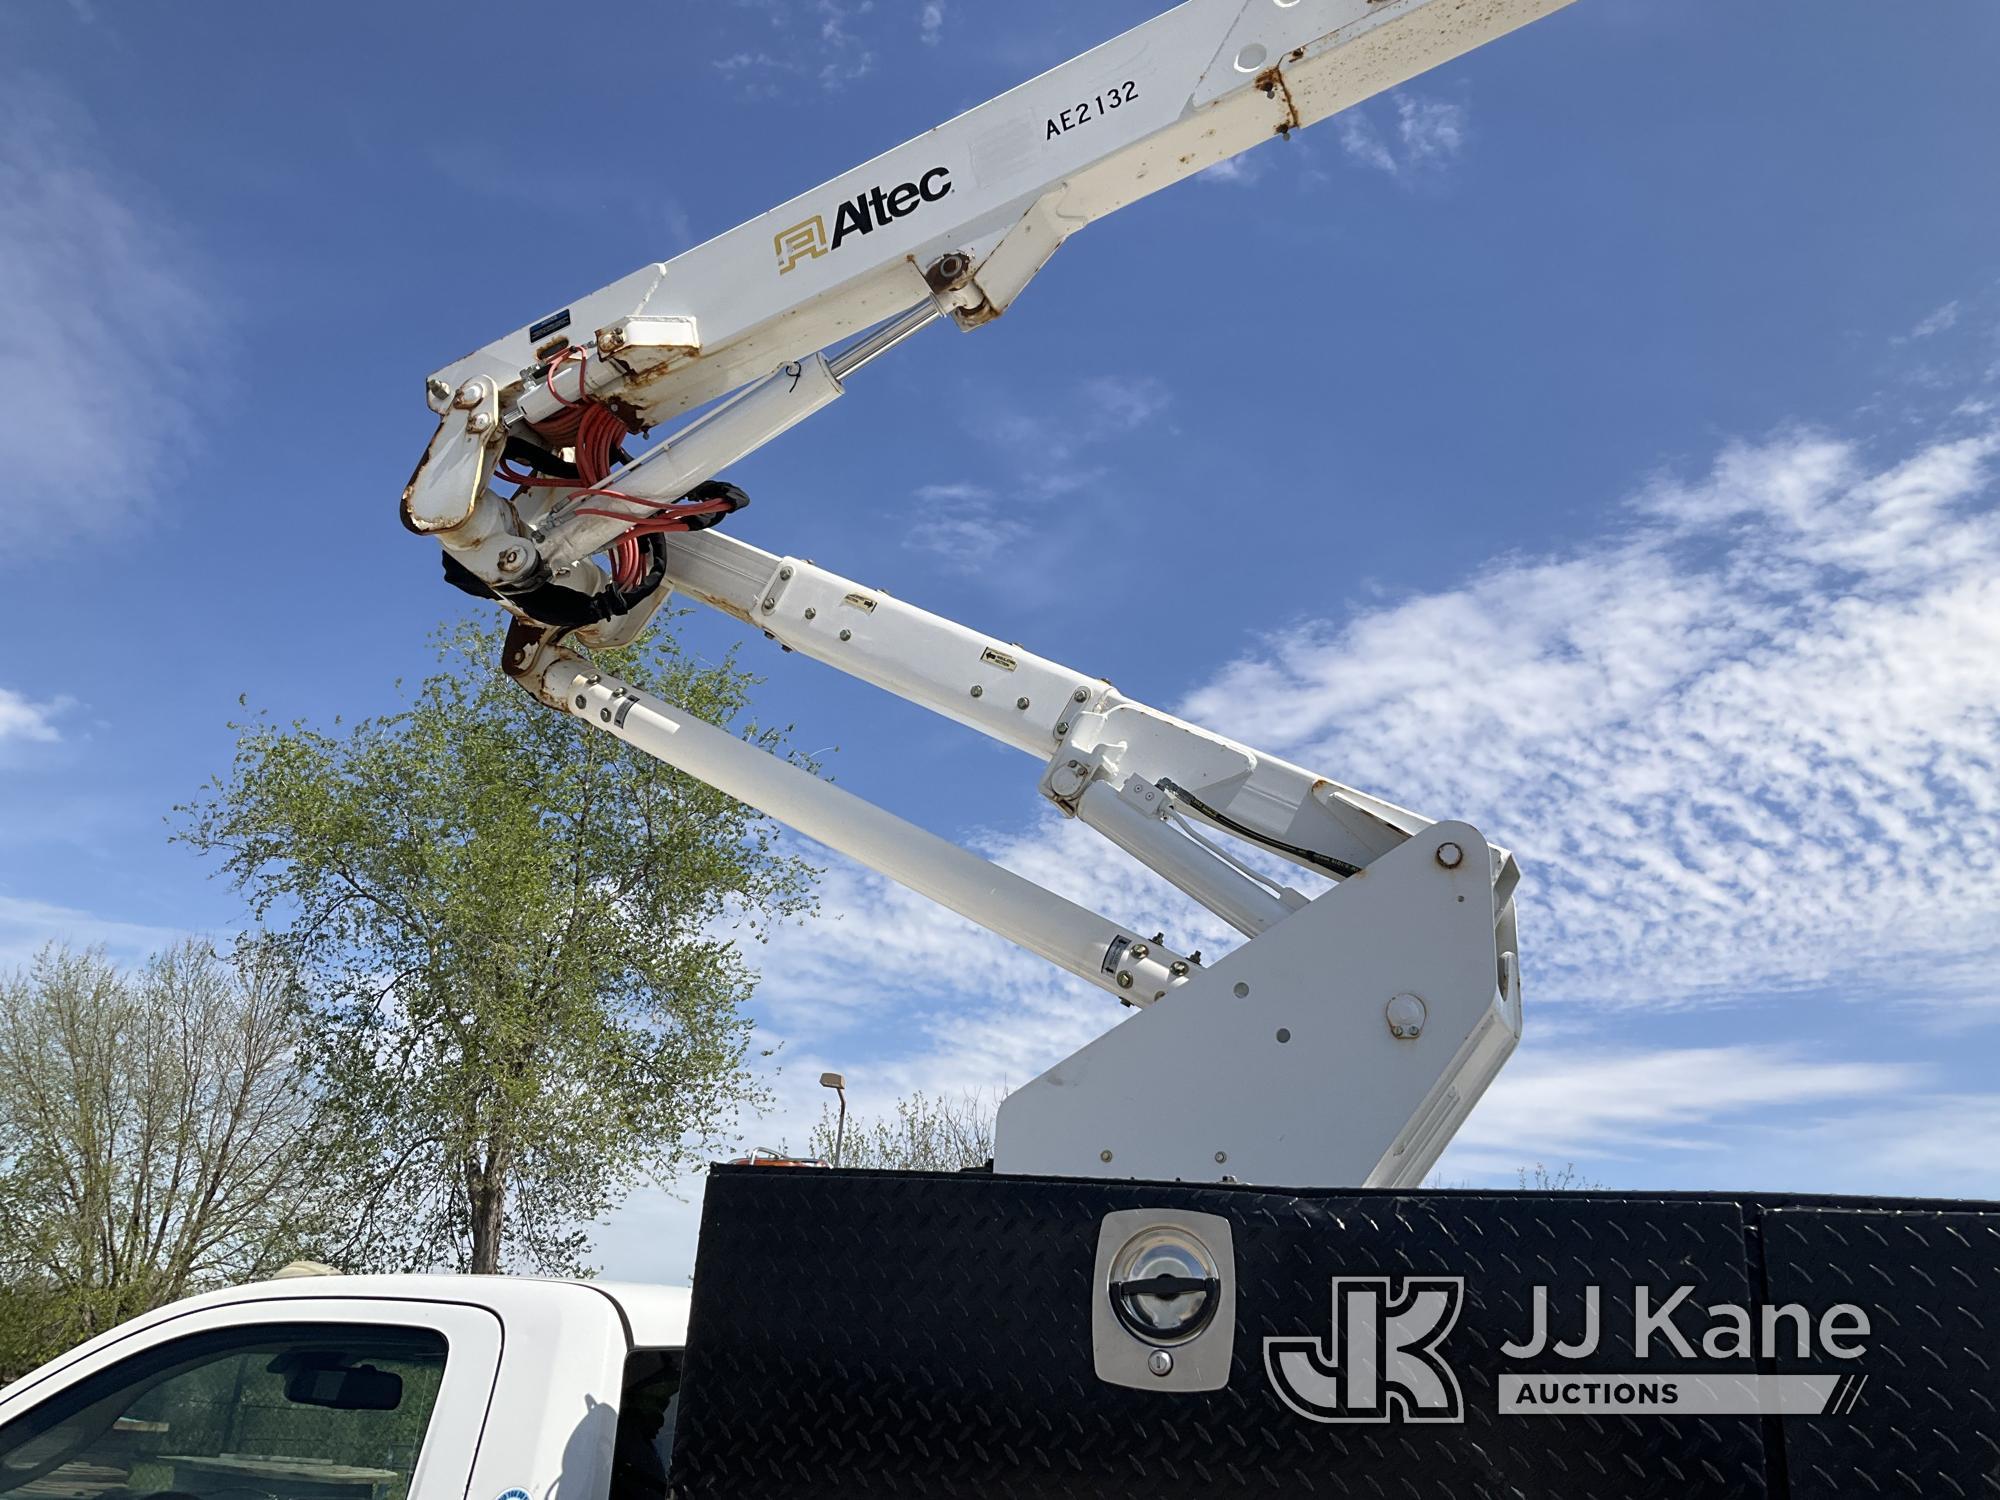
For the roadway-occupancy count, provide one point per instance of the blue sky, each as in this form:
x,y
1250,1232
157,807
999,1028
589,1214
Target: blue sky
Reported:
x,y
1595,439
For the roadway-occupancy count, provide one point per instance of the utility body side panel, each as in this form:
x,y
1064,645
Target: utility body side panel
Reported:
x,y
970,1361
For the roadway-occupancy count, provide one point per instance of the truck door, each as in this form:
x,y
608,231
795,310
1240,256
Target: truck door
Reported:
x,y
308,1398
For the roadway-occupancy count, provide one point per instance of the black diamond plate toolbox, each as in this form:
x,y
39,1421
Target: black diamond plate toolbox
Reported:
x,y
887,1334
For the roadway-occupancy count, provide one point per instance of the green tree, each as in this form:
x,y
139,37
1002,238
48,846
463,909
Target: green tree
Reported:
x,y
156,1138
526,949
925,1134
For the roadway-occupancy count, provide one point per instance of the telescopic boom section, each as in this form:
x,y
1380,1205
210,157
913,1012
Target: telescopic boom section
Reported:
x,y
956,221
1397,987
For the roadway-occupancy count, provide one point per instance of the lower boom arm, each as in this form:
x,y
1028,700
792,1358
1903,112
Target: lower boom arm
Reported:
x,y
1343,1043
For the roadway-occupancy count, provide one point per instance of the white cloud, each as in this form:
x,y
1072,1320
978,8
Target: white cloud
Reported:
x,y
1243,170
25,721
1748,740
1431,129
1049,439
820,40
963,526
1362,141
1050,444
1594,1105
930,22
106,302
1939,320
1930,1144
26,926
1425,137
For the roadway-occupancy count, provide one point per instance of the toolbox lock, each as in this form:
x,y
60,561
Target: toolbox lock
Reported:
x,y
1164,1281
1165,1308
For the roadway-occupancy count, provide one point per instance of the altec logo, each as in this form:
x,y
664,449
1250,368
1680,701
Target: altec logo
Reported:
x,y
864,213
1381,1364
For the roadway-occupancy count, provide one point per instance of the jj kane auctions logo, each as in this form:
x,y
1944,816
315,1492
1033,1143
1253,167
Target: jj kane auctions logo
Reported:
x,y
864,213
1383,1361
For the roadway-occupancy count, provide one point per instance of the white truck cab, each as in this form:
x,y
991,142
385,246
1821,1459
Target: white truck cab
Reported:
x,y
361,1388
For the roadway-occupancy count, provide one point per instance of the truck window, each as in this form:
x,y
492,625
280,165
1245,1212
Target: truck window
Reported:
x,y
647,1405
306,1411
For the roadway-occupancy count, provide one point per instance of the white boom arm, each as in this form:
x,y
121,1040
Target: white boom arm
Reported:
x,y
1349,1036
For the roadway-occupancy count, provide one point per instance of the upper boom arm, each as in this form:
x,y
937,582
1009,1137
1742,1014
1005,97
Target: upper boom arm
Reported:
x,y
960,218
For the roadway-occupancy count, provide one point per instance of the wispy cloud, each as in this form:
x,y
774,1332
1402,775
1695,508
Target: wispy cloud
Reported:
x,y
930,22
1937,322
824,40
963,526
1425,136
1051,437
1048,449
26,926
1599,1104
107,304
1748,739
1244,170
24,720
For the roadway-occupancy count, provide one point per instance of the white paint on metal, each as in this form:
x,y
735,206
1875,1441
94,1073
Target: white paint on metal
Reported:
x,y
1068,935
1280,1049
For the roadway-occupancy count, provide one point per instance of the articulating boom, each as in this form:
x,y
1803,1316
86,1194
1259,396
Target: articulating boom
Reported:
x,y
1345,1041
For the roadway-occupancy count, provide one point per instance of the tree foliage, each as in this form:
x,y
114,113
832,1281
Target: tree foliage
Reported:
x,y
526,949
155,1138
925,1134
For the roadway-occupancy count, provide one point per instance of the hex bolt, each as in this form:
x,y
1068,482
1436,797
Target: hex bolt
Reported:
x,y
1081,695
1124,980
1140,950
784,572
479,421
978,691
1221,1157
1178,968
581,701
847,635
1450,855
1160,1363
811,613
1062,728
1020,703
770,602
604,714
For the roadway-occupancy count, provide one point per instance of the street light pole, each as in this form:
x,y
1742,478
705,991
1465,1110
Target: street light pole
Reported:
x,y
838,1084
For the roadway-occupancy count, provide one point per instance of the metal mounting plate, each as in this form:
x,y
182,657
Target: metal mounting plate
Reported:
x,y
1276,1064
